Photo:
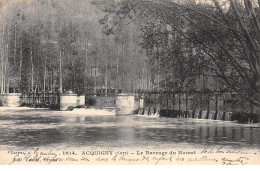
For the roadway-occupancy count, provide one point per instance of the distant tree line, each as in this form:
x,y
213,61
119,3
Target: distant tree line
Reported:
x,y
131,46
60,45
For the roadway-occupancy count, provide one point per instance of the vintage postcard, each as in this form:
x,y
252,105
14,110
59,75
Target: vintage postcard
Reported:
x,y
139,82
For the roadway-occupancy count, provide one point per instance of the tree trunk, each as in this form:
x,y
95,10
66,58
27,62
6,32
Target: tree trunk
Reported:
x,y
123,84
106,65
32,68
106,79
148,81
158,74
20,63
133,66
95,88
117,60
60,87
123,58
2,62
7,64
86,63
15,57
50,75
37,88
45,72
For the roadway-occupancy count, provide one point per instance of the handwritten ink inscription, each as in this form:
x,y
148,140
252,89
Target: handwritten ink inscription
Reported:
x,y
218,156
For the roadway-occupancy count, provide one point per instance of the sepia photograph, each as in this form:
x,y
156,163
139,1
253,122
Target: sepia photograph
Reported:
x,y
130,82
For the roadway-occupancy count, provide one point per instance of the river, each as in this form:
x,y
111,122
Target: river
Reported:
x,y
24,128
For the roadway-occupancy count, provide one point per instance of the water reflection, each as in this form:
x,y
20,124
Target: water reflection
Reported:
x,y
55,130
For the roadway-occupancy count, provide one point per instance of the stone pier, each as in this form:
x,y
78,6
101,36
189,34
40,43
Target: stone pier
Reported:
x,y
10,99
68,101
126,104
81,100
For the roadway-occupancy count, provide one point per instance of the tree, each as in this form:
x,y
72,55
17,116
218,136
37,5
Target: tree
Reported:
x,y
218,40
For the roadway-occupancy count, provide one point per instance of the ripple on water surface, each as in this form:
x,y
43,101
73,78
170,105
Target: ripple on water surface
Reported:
x,y
35,127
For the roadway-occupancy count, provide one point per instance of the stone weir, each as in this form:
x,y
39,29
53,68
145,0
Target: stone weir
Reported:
x,y
64,102
223,107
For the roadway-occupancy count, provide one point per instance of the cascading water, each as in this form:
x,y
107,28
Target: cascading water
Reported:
x,y
204,115
228,116
220,115
212,115
197,114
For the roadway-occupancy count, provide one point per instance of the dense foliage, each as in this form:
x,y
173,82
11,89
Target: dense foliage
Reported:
x,y
200,46
144,45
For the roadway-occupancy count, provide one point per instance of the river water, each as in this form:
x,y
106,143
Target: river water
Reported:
x,y
24,128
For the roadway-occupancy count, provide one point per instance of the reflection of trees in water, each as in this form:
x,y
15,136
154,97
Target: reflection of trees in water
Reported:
x,y
123,131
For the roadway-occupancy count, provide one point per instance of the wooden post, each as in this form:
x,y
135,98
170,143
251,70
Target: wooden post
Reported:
x,y
216,98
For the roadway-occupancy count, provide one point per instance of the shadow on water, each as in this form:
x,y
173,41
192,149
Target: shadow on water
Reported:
x,y
20,130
